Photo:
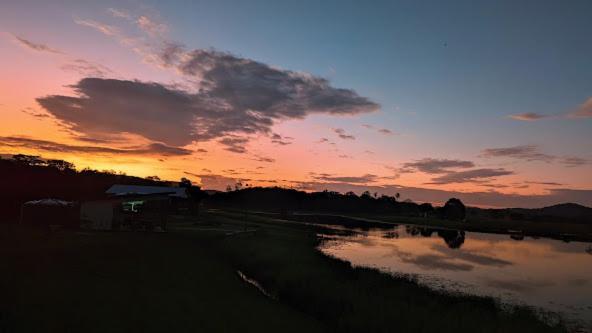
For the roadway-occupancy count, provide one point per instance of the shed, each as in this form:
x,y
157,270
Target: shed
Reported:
x,y
98,214
131,206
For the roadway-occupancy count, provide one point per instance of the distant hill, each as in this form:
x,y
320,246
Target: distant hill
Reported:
x,y
568,210
565,212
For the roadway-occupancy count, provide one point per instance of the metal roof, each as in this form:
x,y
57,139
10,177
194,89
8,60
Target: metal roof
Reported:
x,y
121,190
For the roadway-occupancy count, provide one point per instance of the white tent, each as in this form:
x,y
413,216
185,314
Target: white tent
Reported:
x,y
48,202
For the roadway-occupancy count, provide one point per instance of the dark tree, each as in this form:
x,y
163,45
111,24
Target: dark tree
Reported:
x,y
238,186
28,160
60,165
426,209
195,194
186,183
454,209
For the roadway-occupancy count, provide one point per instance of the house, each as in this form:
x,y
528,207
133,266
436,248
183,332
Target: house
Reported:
x,y
132,207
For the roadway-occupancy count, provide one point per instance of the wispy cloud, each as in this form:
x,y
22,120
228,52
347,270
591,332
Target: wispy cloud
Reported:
x,y
79,66
264,159
234,144
384,131
56,147
574,161
147,23
87,68
474,175
524,152
450,171
33,113
544,183
343,135
119,13
367,178
36,46
136,44
532,153
529,116
150,26
435,166
327,141
584,110
106,29
281,140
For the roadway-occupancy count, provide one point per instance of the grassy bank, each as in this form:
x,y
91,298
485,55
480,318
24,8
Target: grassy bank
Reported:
x,y
282,257
186,280
130,282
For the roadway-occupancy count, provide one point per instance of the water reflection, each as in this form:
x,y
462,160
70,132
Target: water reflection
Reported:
x,y
453,238
546,273
517,237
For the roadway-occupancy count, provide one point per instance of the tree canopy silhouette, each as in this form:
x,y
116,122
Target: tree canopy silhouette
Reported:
x,y
454,209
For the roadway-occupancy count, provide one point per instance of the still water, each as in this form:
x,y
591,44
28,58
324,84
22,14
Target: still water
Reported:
x,y
549,274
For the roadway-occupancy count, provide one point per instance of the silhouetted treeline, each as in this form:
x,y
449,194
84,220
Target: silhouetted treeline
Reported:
x,y
288,200
26,178
284,201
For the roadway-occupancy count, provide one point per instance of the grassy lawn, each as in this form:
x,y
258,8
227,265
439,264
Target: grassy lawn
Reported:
x,y
130,282
186,280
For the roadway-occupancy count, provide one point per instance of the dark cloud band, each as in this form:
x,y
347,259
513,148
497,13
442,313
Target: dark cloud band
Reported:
x,y
236,96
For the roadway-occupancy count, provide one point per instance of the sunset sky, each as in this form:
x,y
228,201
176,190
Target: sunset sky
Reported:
x,y
489,101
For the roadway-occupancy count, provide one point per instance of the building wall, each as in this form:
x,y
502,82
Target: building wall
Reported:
x,y
97,215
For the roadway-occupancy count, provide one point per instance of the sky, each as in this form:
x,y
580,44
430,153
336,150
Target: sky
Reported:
x,y
488,101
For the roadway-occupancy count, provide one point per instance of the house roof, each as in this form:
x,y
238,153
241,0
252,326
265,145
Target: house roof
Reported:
x,y
122,190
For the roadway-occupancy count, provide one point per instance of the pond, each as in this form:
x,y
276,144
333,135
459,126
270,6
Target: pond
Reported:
x,y
549,274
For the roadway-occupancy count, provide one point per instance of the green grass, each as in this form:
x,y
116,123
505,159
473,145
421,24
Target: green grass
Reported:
x,y
130,282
